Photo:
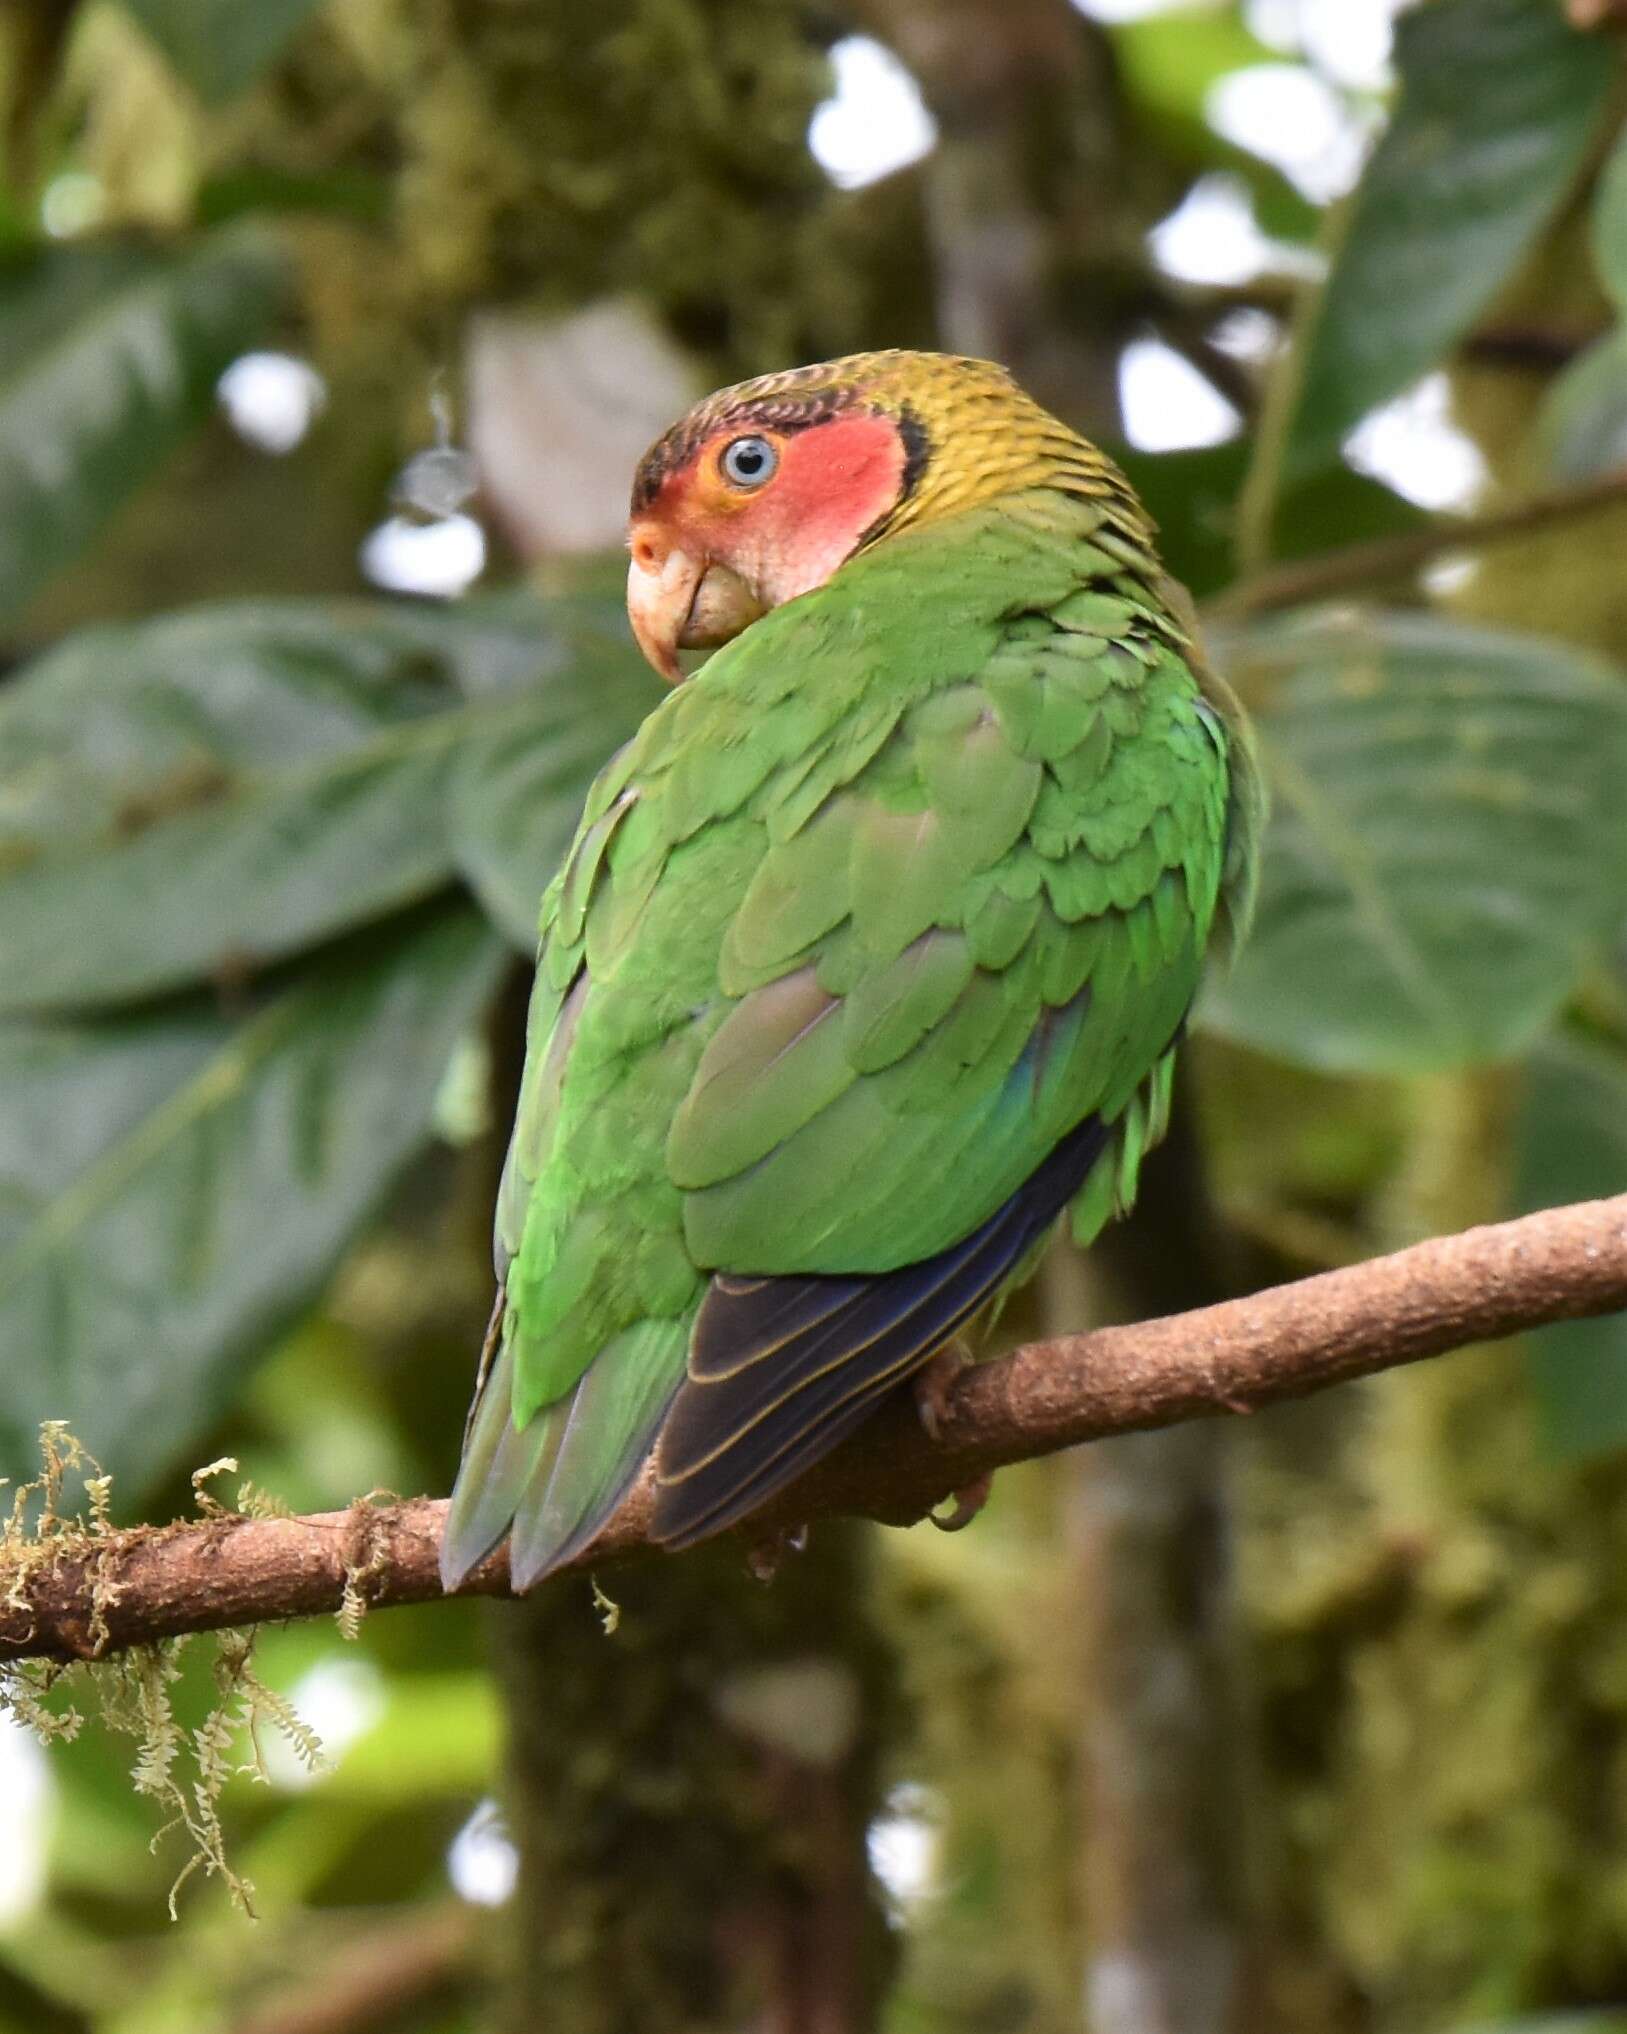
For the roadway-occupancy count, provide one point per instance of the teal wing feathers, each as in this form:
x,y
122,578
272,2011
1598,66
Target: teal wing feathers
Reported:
x,y
870,917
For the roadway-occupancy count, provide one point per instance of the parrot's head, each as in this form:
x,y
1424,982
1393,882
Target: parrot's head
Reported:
x,y
764,490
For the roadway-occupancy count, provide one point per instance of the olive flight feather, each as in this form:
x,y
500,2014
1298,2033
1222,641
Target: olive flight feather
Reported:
x,y
872,951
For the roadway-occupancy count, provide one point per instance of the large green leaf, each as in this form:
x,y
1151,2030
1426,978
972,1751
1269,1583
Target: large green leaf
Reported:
x,y
176,1186
221,46
109,356
517,793
1610,225
1447,846
201,794
1571,1145
514,804
1581,428
1499,102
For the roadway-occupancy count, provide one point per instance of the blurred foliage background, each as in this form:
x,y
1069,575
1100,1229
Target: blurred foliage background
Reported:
x,y
329,332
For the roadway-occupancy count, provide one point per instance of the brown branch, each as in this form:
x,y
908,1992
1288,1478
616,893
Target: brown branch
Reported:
x,y
1233,378
378,1976
1355,566
1562,1264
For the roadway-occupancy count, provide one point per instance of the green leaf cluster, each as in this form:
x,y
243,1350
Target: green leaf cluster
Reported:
x,y
109,356
238,964
1499,103
1448,850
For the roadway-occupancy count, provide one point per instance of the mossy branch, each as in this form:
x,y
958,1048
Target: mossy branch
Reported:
x,y
85,1599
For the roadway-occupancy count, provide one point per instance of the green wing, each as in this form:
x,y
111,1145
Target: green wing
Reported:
x,y
901,891
997,931
1013,903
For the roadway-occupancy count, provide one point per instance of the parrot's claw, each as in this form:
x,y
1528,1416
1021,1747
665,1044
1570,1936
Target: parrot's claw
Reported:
x,y
764,1558
968,1503
934,1386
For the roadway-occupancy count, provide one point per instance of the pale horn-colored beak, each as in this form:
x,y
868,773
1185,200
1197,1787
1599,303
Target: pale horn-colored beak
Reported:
x,y
659,598
686,604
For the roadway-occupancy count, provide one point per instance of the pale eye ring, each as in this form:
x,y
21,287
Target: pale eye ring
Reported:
x,y
748,462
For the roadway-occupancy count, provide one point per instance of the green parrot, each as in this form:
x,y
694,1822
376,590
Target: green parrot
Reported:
x,y
872,951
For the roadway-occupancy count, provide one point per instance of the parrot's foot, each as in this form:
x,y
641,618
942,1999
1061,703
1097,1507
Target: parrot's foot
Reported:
x,y
765,1558
967,1504
934,1385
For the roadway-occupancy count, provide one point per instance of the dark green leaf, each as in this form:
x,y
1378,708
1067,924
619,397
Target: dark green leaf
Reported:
x,y
198,795
516,795
1499,102
221,46
1571,1145
176,1187
514,806
108,358
1581,428
1610,226
1446,850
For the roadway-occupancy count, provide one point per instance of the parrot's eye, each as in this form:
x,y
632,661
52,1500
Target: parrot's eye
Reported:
x,y
748,462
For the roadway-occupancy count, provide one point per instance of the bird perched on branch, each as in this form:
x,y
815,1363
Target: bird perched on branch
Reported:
x,y
872,951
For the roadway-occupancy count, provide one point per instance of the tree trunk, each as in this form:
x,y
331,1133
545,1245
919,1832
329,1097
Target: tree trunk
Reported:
x,y
1035,227
1165,1856
690,1794
1161,1851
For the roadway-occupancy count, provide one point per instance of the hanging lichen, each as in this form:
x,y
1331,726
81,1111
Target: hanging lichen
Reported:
x,y
183,1768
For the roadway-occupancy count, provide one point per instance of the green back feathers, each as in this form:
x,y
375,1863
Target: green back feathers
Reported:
x,y
914,878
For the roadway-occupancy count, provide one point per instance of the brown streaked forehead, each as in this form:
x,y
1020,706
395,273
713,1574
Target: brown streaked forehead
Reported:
x,y
783,402
970,435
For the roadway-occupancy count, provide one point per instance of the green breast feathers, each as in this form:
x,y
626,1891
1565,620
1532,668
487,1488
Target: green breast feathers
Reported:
x,y
870,956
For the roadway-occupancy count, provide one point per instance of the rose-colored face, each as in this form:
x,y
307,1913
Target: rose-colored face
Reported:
x,y
755,517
